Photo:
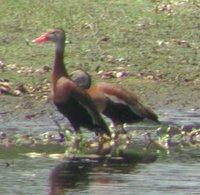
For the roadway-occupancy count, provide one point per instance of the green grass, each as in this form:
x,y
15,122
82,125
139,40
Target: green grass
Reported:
x,y
133,28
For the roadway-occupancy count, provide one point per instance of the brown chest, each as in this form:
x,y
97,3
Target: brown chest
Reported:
x,y
61,90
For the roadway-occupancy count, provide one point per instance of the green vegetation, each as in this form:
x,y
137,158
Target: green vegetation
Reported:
x,y
141,36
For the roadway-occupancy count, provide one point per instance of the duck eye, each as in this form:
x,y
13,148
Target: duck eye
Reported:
x,y
53,33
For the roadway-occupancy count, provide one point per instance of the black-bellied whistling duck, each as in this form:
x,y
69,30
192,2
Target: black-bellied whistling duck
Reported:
x,y
68,97
114,101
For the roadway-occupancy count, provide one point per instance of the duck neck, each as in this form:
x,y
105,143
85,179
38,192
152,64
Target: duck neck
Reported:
x,y
59,67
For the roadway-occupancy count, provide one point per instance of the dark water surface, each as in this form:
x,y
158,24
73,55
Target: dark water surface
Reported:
x,y
42,175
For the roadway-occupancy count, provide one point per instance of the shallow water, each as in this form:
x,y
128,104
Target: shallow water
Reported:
x,y
174,175
28,176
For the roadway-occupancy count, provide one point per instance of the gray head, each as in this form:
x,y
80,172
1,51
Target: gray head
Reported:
x,y
81,78
55,35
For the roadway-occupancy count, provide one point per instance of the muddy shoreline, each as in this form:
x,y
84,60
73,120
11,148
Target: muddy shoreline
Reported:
x,y
162,96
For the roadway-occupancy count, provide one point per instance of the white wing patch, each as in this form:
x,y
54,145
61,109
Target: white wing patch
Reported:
x,y
89,112
116,99
86,103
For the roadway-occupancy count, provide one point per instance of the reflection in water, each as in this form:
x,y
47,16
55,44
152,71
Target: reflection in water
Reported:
x,y
70,174
78,171
79,177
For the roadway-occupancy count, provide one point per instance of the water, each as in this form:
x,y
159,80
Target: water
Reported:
x,y
27,176
156,178
43,175
24,176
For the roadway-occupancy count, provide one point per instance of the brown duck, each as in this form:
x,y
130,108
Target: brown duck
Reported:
x,y
114,101
72,101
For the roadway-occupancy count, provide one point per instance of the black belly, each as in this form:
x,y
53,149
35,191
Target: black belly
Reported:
x,y
76,114
120,113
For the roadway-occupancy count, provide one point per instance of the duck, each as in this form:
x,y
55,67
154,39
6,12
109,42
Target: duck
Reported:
x,y
116,102
70,99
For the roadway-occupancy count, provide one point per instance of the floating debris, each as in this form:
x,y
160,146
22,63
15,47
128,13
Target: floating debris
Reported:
x,y
35,155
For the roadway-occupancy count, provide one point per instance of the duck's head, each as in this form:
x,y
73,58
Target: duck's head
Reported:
x,y
54,35
81,78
